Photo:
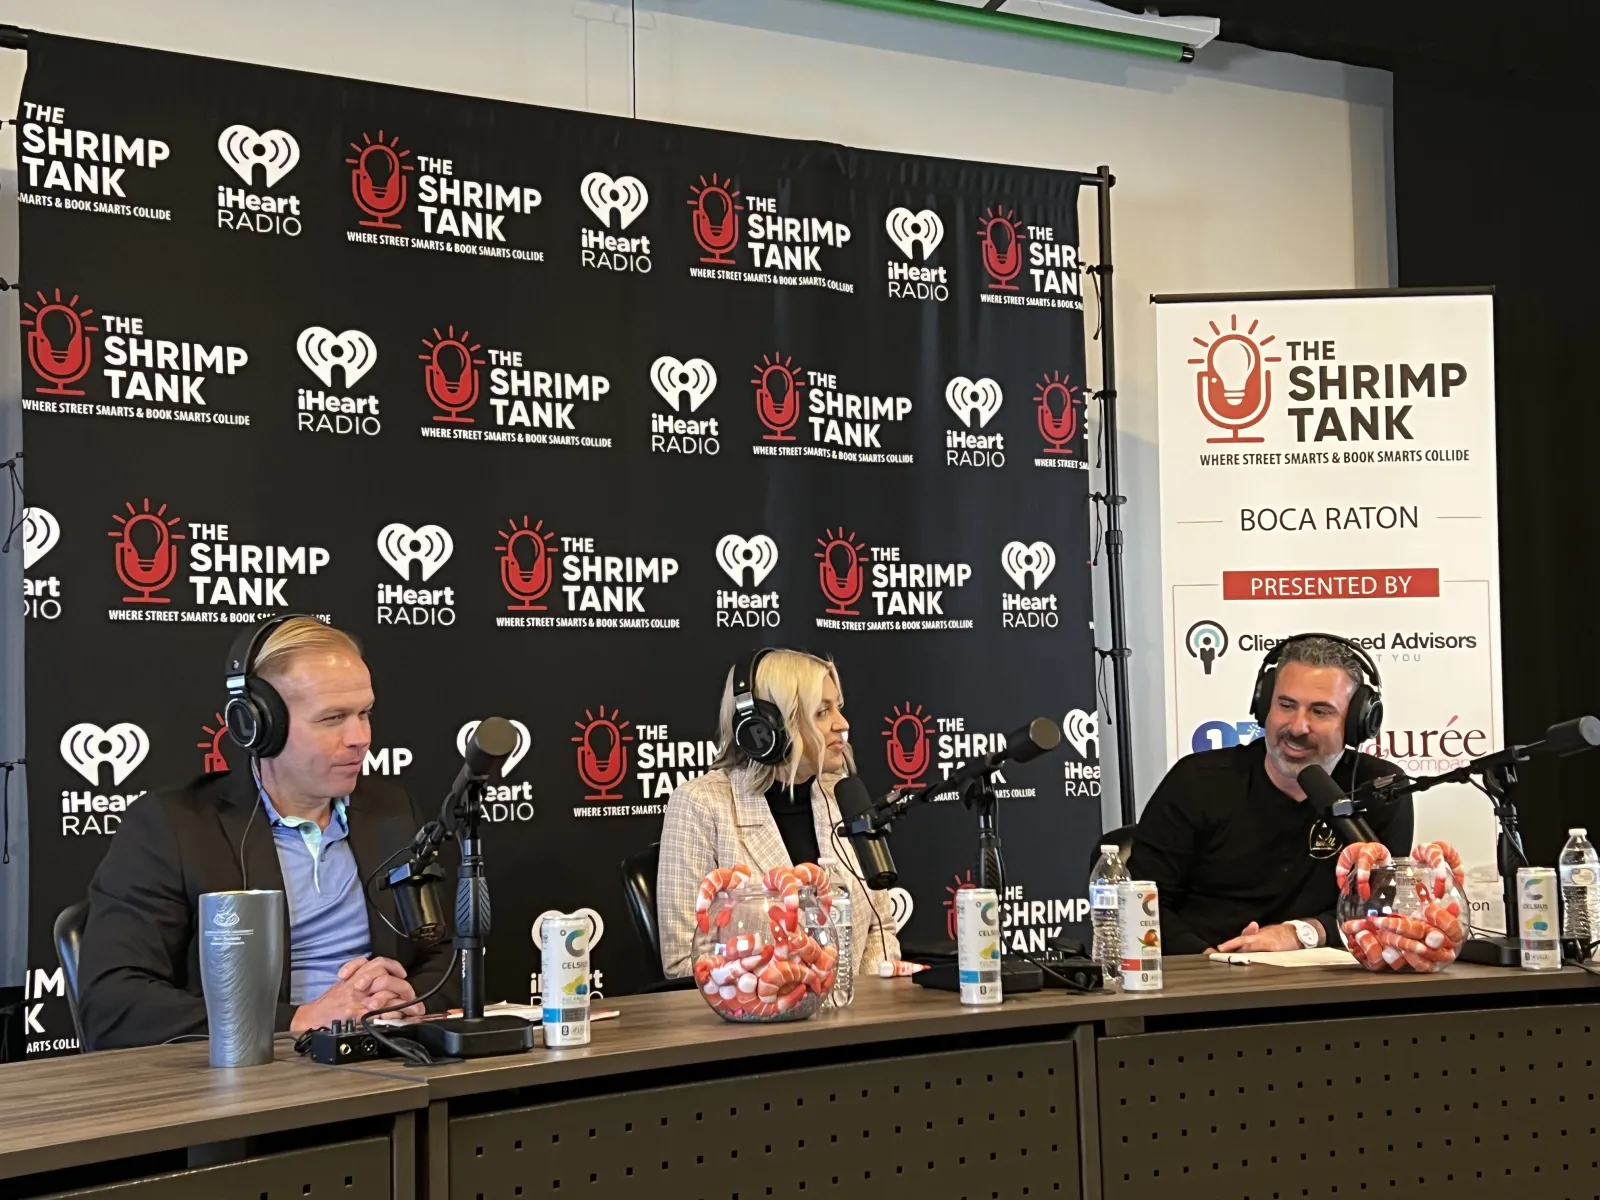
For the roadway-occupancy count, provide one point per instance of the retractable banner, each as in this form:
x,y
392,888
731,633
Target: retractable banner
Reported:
x,y
1328,464
560,415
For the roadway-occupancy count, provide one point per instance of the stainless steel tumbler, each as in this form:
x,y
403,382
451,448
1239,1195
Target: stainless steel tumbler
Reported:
x,y
241,968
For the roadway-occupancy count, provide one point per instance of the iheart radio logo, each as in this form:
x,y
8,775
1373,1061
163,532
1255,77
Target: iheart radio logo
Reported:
x,y
625,196
693,380
322,350
60,349
715,220
429,546
602,747
146,553
243,149
451,376
758,555
85,746
526,569
1021,560
1233,385
906,229
1080,728
970,398
524,744
378,179
840,571
901,906
906,747
40,532
1058,403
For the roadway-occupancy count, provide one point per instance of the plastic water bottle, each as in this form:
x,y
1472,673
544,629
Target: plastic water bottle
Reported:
x,y
1108,872
1580,888
844,984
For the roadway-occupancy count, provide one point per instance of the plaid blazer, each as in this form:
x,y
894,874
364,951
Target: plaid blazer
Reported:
x,y
717,821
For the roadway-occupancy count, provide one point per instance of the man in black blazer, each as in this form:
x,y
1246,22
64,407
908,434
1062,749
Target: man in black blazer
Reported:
x,y
300,819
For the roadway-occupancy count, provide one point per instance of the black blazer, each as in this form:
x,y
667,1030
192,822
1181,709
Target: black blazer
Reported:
x,y
139,967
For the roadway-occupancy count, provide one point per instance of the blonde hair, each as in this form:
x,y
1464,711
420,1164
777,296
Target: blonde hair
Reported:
x,y
791,680
299,635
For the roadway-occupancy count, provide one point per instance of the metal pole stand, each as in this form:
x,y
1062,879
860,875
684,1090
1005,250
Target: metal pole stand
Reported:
x,y
1500,782
1015,977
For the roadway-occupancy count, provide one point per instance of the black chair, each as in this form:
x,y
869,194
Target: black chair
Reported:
x,y
1122,838
68,935
639,889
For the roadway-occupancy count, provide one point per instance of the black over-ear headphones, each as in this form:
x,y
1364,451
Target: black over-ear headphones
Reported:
x,y
256,716
758,726
1362,719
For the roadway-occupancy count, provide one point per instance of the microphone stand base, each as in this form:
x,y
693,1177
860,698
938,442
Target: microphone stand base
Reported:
x,y
474,1037
1492,951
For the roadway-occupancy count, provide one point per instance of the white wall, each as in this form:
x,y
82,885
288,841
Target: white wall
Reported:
x,y
1242,171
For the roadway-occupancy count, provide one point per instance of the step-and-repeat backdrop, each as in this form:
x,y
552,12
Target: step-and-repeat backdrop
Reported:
x,y
559,414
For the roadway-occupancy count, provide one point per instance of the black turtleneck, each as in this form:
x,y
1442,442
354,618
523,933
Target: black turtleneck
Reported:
x,y
792,812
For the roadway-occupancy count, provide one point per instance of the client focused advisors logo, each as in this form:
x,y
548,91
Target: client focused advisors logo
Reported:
x,y
73,169
907,733
146,555
975,403
60,350
1081,779
504,801
86,748
841,425
1206,641
41,598
1058,411
247,210
602,753
905,595
781,248
353,354
623,199
1030,607
1026,265
913,232
1234,384
427,548
748,562
685,385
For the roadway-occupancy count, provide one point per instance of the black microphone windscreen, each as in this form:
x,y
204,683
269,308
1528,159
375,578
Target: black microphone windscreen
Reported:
x,y
491,743
1320,788
1574,736
852,796
1038,736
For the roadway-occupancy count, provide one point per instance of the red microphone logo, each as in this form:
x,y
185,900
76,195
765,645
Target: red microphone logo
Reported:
x,y
906,747
378,179
1058,403
602,753
962,882
451,375
61,353
840,571
1001,235
1233,385
145,556
777,396
215,760
716,218
526,571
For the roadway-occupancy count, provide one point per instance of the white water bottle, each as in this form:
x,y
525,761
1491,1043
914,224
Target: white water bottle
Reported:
x,y
1579,866
1108,872
843,917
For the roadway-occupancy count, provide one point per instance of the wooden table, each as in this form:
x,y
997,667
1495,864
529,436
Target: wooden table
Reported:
x,y
95,1110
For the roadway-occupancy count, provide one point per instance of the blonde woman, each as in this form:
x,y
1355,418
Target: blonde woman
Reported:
x,y
767,800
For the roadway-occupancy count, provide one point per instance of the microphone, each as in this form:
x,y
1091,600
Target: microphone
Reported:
x,y
1334,807
1039,736
1572,737
871,845
418,902
490,745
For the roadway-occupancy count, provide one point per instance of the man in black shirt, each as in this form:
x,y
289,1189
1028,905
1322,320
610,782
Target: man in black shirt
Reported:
x,y
1241,861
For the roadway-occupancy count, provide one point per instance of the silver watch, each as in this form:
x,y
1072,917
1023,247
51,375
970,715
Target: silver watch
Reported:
x,y
1306,932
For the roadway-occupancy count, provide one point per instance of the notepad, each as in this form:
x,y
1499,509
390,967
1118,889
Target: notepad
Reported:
x,y
1321,956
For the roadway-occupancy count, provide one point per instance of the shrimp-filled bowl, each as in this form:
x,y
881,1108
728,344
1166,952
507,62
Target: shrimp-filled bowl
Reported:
x,y
1403,914
765,949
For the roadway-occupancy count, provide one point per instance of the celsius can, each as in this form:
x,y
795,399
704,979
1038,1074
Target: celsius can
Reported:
x,y
1139,914
564,963
978,945
1538,922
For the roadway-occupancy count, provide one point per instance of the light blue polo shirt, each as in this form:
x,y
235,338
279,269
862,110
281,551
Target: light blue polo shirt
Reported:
x,y
327,912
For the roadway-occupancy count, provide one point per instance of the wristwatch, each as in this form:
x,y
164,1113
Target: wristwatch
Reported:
x,y
1306,932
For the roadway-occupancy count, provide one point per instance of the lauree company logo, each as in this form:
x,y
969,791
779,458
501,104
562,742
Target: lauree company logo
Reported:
x,y
86,748
685,385
913,233
428,548
782,249
244,210
318,411
748,562
899,589
41,598
83,170
625,198
1206,641
844,426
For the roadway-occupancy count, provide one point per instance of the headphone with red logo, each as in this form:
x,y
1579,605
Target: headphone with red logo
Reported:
x,y
256,716
1364,716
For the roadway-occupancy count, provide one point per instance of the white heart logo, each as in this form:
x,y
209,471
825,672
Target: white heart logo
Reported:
x,y
966,396
907,228
625,196
242,148
322,350
901,906
40,532
597,925
429,546
524,743
86,746
1021,560
1082,728
696,379
759,554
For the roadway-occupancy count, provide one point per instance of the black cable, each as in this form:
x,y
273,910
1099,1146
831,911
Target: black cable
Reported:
x,y
1097,499
366,888
5,807
1070,984
18,503
402,1047
877,919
